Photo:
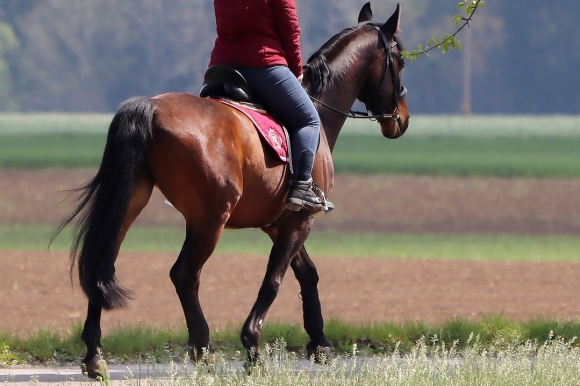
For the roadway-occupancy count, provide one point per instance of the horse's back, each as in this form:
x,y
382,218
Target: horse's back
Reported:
x,y
189,114
205,153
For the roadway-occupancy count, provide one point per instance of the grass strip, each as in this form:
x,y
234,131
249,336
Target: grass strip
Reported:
x,y
445,156
129,344
459,156
63,150
486,247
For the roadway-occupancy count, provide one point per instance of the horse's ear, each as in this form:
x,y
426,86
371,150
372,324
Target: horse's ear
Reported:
x,y
391,27
365,13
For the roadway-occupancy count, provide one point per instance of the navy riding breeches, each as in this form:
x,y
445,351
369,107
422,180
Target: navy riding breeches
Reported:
x,y
278,89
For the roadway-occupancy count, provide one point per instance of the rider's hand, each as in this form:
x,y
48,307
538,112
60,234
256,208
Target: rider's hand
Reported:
x,y
300,77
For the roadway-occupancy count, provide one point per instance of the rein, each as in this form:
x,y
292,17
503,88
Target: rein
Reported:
x,y
353,114
389,65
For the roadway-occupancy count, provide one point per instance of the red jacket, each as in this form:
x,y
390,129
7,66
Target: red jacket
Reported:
x,y
257,33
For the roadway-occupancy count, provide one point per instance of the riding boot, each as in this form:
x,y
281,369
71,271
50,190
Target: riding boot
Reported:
x,y
302,195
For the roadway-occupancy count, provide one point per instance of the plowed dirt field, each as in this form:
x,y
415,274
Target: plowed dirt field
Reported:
x,y
35,290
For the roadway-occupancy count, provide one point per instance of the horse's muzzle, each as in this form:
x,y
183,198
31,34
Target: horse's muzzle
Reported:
x,y
393,128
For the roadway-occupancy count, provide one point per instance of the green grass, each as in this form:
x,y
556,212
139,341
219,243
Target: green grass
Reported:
x,y
67,150
41,140
490,351
505,146
500,247
129,343
460,156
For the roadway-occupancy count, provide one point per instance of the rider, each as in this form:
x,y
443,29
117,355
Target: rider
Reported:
x,y
261,39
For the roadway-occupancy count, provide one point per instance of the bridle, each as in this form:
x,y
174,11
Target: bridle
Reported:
x,y
390,66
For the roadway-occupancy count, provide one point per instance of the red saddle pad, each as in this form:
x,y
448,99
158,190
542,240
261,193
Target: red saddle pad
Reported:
x,y
272,132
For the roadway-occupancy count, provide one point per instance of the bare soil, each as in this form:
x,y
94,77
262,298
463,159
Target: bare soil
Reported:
x,y
35,290
364,203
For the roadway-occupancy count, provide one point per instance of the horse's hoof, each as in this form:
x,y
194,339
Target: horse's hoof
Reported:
x,y
95,369
252,359
321,354
209,358
206,356
251,363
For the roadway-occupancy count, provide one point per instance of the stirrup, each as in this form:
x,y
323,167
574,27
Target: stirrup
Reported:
x,y
316,210
327,206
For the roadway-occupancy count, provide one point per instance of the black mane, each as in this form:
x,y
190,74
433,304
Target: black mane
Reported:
x,y
317,69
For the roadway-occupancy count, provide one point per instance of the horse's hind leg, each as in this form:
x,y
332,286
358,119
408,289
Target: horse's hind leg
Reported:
x,y
200,242
91,335
307,276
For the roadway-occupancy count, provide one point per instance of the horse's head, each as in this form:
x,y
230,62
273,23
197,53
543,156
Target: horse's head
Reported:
x,y
361,63
382,92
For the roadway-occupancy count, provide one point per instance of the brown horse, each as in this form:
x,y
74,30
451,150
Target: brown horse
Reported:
x,y
210,163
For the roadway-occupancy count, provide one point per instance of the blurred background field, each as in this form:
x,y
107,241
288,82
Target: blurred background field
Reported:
x,y
503,146
516,159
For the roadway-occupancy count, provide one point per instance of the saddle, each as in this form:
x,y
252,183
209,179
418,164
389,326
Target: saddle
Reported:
x,y
222,81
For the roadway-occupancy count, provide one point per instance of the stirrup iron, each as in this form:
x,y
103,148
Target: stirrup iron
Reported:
x,y
327,206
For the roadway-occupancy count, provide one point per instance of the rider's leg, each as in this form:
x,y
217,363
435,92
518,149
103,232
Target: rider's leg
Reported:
x,y
281,92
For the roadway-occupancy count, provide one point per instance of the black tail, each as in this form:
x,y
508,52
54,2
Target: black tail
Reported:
x,y
104,201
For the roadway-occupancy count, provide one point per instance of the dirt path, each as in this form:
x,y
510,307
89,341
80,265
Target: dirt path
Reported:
x,y
35,290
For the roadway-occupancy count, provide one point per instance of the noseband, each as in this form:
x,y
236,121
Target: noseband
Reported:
x,y
389,65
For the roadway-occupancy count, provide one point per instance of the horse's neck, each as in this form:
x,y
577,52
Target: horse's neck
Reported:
x,y
342,93
331,124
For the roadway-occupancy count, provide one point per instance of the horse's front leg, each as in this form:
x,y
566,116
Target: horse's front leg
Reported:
x,y
307,276
290,237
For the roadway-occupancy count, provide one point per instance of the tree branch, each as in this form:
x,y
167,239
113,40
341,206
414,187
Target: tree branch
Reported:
x,y
448,41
